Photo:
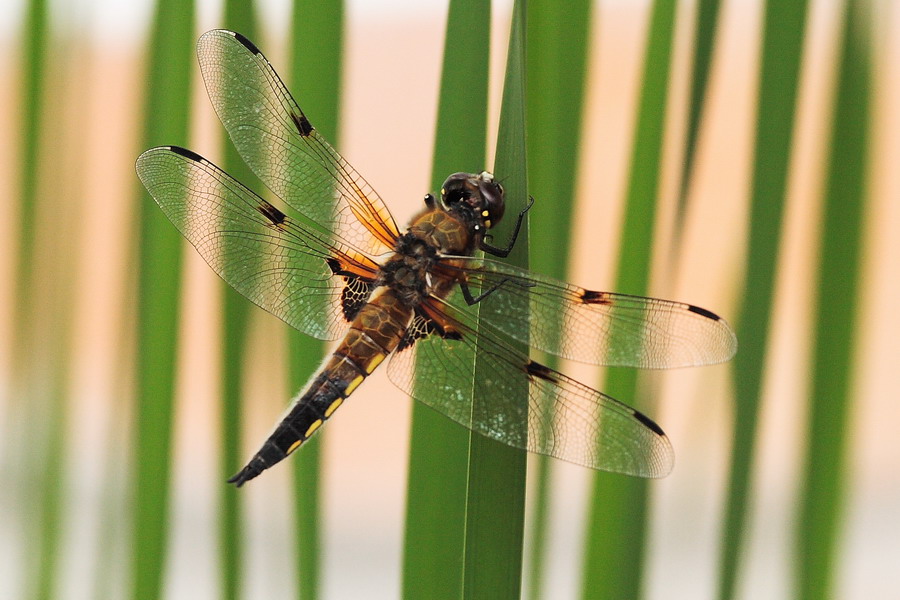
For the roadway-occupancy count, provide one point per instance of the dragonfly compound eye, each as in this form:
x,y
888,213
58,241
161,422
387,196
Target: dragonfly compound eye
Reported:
x,y
493,201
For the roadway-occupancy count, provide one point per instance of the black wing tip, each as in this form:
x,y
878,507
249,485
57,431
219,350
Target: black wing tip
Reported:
x,y
189,154
731,349
149,155
661,460
703,312
237,36
649,423
245,42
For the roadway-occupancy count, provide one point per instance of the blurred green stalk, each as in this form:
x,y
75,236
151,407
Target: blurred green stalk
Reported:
x,y
166,111
784,29
239,16
32,421
495,499
438,457
615,544
316,68
705,25
836,313
556,72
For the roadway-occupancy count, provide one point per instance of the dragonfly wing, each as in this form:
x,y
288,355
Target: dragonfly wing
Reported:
x,y
519,402
597,327
284,266
286,152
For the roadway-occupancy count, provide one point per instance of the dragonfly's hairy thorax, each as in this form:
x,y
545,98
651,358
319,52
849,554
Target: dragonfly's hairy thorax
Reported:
x,y
410,271
445,231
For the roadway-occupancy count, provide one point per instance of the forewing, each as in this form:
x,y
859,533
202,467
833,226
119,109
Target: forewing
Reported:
x,y
281,146
597,327
563,418
284,266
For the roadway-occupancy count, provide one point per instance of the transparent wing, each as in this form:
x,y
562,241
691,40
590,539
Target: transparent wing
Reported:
x,y
520,402
277,141
596,327
282,265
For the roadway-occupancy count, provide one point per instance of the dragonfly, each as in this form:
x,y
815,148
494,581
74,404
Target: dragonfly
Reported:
x,y
333,264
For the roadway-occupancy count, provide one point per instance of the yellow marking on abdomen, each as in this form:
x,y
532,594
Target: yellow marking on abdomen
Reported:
x,y
294,446
312,428
373,364
334,406
353,385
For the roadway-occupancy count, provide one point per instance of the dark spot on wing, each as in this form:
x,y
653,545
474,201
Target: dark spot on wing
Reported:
x,y
188,154
271,213
246,43
592,297
406,341
422,327
337,268
451,335
705,313
541,372
417,330
334,264
354,296
356,290
649,423
302,123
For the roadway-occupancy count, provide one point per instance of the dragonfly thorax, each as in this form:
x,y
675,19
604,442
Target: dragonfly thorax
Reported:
x,y
408,271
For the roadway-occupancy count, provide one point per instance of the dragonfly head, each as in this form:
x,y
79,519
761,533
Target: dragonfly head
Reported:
x,y
478,197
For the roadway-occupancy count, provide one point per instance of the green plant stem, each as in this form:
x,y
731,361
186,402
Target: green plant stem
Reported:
x,y
316,67
783,33
495,500
438,461
836,315
166,121
614,566
557,60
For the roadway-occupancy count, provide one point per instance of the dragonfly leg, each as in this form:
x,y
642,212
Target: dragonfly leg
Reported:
x,y
470,299
504,252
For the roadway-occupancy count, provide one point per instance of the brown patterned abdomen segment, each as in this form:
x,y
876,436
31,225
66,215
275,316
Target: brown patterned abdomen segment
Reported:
x,y
374,334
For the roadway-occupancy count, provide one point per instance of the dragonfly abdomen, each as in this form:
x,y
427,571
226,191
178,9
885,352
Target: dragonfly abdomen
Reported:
x,y
374,333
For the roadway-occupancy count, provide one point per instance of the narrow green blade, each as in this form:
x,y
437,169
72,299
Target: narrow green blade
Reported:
x,y
166,122
836,315
47,431
31,412
495,502
316,67
34,74
783,35
438,461
239,16
704,42
614,564
557,58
